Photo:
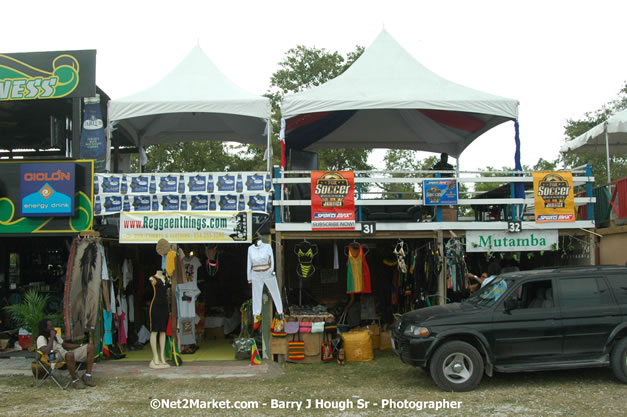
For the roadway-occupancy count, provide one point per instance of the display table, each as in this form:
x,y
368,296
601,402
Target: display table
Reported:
x,y
313,341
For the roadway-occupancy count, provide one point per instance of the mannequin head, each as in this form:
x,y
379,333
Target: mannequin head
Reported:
x,y
159,274
257,240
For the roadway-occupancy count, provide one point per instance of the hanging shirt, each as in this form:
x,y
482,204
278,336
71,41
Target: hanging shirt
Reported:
x,y
127,272
186,309
191,266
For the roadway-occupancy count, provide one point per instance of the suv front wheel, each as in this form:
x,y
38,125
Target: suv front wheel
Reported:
x,y
456,366
619,360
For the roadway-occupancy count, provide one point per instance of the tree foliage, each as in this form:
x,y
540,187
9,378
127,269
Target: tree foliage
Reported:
x,y
576,127
303,68
204,156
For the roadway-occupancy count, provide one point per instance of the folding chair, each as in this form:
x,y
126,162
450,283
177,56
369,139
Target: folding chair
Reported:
x,y
44,370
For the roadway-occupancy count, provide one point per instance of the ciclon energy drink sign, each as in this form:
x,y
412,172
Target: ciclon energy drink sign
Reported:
x,y
333,200
47,189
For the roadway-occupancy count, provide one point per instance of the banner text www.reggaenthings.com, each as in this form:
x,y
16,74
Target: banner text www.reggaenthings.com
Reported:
x,y
307,404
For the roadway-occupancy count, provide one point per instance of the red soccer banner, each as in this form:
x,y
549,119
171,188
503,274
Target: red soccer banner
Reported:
x,y
333,200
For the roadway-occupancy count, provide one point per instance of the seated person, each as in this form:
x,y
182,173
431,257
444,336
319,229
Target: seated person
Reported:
x,y
69,352
474,282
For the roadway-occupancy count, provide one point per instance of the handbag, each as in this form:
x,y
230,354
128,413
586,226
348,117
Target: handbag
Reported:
x,y
295,350
292,327
330,328
317,327
305,327
327,350
243,347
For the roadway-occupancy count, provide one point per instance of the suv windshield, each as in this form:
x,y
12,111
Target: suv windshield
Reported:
x,y
489,294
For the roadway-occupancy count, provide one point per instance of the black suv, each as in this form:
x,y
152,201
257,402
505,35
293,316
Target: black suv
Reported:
x,y
563,318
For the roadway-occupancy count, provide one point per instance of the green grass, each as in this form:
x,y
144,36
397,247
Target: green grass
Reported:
x,y
569,393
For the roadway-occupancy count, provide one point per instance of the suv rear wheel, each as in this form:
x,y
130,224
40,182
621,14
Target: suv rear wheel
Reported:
x,y
456,366
619,360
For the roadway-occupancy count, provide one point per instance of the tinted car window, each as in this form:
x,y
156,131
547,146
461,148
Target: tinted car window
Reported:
x,y
489,294
583,292
619,284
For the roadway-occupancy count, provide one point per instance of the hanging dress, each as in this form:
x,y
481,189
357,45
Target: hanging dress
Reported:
x,y
358,273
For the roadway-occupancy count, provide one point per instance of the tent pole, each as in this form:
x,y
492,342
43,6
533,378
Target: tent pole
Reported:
x,y
269,161
607,153
139,155
108,152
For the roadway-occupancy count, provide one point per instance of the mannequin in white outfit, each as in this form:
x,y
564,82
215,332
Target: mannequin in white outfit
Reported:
x,y
260,270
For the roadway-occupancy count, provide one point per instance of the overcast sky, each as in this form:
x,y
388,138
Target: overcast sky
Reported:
x,y
560,59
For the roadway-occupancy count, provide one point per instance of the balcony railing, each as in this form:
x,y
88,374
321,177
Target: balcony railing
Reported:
x,y
395,200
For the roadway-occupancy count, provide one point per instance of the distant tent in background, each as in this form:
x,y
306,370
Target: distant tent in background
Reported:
x,y
610,135
194,102
387,99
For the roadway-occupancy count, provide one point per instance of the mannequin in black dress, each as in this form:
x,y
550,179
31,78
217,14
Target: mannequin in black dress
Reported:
x,y
159,315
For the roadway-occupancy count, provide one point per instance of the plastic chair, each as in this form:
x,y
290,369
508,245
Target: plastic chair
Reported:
x,y
45,369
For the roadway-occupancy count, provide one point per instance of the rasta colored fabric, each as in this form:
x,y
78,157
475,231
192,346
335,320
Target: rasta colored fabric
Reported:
x,y
296,350
305,252
358,273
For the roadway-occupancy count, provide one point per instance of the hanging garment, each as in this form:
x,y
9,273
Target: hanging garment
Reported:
x,y
82,289
107,321
190,266
305,252
213,263
127,272
456,264
260,271
186,311
358,273
121,331
159,313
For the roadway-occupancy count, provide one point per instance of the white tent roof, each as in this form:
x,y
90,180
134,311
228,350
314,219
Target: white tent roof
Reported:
x,y
400,104
195,101
593,141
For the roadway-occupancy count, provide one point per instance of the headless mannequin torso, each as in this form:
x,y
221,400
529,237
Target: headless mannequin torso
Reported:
x,y
158,321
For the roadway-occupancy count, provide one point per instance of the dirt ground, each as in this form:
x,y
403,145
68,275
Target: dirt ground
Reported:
x,y
342,389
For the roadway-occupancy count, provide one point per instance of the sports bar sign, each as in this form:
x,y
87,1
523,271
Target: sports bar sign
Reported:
x,y
332,200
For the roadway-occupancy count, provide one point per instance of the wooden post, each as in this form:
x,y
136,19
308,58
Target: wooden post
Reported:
x,y
442,280
279,267
592,254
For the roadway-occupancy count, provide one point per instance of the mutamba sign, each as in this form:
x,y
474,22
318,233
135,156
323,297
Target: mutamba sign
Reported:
x,y
185,227
502,241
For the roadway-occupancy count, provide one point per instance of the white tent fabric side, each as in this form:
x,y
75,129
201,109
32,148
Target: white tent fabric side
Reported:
x,y
609,137
195,101
399,104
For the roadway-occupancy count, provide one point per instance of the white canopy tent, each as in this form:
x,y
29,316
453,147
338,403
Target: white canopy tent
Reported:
x,y
611,134
390,100
194,102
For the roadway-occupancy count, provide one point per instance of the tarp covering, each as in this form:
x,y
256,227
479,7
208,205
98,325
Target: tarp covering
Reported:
x,y
387,99
593,141
195,101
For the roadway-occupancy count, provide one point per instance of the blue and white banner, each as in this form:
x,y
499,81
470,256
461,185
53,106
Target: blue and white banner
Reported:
x,y
189,192
93,139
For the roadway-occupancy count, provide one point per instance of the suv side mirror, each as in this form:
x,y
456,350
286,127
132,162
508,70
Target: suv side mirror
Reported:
x,y
510,304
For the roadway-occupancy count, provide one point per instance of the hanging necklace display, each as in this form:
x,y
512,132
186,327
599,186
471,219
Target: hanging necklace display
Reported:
x,y
401,250
212,260
305,252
